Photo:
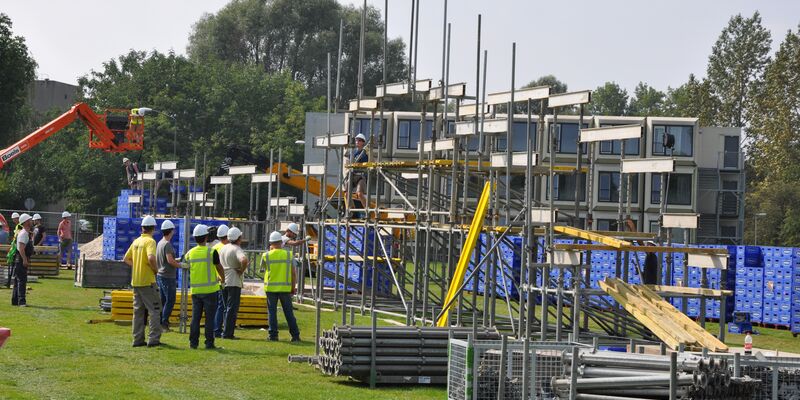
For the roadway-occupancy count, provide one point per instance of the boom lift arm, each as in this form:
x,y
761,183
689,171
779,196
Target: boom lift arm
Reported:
x,y
116,130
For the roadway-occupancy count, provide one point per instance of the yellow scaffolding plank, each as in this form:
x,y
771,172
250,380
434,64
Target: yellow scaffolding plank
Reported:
x,y
646,249
466,252
594,237
670,291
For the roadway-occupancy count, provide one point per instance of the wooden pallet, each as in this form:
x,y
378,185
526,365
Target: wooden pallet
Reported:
x,y
252,309
665,321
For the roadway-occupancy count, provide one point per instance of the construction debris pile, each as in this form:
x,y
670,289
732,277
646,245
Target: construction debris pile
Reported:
x,y
402,354
627,376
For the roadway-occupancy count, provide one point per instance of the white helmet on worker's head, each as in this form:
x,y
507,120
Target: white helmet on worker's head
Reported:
x,y
234,234
294,228
167,224
65,214
36,217
275,237
222,231
200,230
15,215
125,159
24,218
361,137
148,221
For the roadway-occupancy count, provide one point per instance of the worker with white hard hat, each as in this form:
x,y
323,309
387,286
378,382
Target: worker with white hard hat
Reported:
x,y
205,286
290,236
279,285
16,228
234,263
65,237
131,171
357,180
167,277
23,250
15,218
141,256
39,230
221,233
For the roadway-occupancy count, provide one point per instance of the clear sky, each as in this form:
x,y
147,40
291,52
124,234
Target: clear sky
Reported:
x,y
583,42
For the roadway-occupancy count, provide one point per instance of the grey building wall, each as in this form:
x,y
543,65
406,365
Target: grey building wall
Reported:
x,y
317,125
45,95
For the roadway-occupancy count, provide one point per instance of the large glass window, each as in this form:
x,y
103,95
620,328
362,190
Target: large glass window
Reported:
x,y
608,187
519,137
609,225
408,133
361,125
564,188
567,135
615,147
679,191
684,145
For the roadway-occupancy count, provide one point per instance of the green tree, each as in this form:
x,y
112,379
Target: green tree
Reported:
x,y
693,99
556,86
735,65
774,149
646,101
294,36
18,71
609,99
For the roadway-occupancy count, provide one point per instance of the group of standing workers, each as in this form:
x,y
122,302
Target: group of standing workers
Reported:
x,y
216,267
30,232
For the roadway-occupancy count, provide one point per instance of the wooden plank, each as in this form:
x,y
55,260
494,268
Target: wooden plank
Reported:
x,y
644,249
669,291
588,235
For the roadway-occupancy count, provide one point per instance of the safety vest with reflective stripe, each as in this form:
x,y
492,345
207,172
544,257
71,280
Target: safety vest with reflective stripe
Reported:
x,y
202,274
217,248
278,277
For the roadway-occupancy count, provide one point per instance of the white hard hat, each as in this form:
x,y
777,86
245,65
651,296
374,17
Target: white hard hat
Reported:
x,y
65,214
222,231
15,215
200,230
167,224
36,217
294,228
362,137
275,236
25,217
234,234
148,220
125,159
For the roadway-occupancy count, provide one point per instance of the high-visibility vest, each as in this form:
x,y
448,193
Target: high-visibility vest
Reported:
x,y
278,277
202,274
134,116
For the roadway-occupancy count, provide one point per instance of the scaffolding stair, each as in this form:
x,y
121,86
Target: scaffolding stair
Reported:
x,y
670,325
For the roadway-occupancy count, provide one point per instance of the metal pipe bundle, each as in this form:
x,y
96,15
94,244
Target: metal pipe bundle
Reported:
x,y
406,354
624,376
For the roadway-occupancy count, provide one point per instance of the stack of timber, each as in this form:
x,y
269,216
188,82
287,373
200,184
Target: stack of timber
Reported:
x,y
252,309
44,261
670,325
403,354
103,274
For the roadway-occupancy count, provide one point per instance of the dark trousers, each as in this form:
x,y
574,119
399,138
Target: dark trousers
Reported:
x,y
232,296
20,283
203,303
11,272
168,288
219,316
272,308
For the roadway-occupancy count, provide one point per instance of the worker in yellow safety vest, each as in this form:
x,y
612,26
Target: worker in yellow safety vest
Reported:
x,y
204,279
220,240
279,280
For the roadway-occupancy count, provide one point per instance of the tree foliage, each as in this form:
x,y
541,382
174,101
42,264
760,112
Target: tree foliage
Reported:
x,y
735,65
17,71
294,37
693,99
609,99
646,101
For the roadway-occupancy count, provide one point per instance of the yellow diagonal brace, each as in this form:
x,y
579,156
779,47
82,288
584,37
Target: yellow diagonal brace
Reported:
x,y
466,252
594,237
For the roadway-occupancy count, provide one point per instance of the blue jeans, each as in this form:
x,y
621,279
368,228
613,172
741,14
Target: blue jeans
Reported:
x,y
272,308
203,303
232,296
167,287
220,315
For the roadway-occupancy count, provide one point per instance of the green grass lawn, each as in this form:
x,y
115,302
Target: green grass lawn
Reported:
x,y
55,353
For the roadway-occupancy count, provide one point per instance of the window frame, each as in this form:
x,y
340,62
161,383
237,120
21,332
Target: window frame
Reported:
x,y
657,140
655,190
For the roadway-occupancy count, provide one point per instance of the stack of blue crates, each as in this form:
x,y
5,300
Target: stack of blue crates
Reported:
x,y
52,240
779,265
119,233
795,303
749,291
127,210
357,271
506,278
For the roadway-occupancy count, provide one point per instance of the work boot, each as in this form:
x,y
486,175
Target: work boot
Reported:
x,y
156,344
273,339
296,339
142,344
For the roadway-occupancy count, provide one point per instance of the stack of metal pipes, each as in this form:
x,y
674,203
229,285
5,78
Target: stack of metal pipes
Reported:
x,y
608,375
406,351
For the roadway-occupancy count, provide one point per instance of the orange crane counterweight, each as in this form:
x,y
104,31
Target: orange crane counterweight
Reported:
x,y
116,130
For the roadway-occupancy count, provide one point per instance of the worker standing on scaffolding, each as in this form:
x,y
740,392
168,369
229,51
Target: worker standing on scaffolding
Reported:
x,y
131,172
358,181
290,236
